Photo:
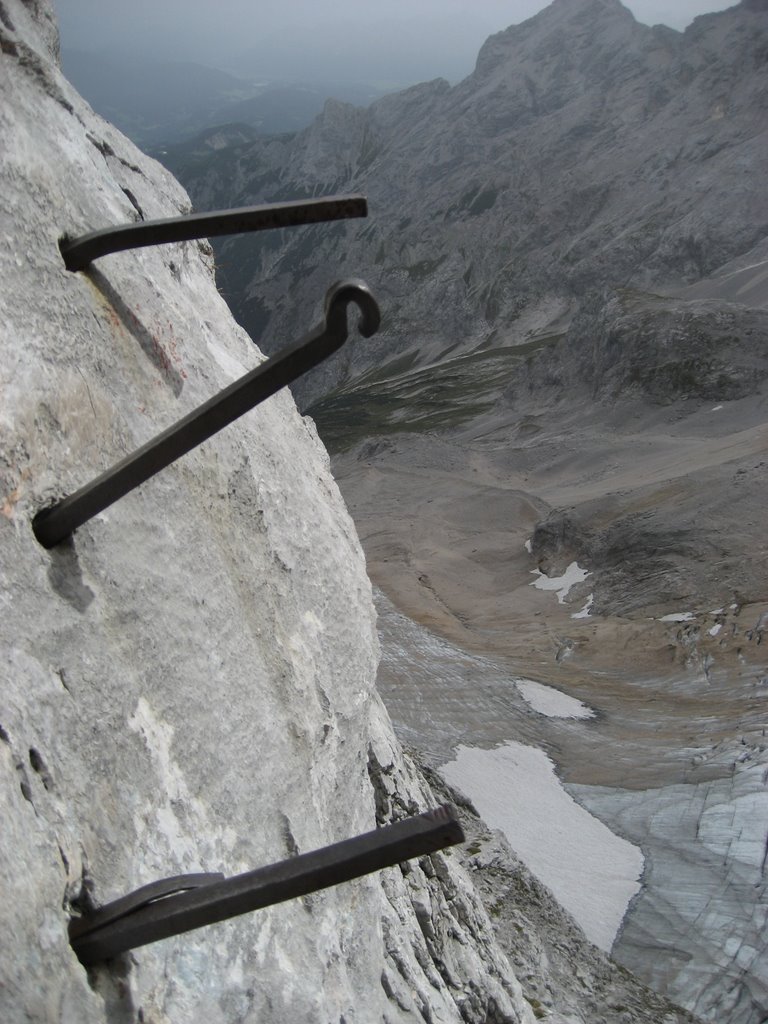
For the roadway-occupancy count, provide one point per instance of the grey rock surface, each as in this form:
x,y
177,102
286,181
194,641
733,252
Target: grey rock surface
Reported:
x,y
663,349
189,684
570,247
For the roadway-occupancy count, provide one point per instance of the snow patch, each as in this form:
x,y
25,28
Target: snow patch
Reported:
x,y
546,700
585,611
677,617
591,871
529,546
716,408
562,584
715,629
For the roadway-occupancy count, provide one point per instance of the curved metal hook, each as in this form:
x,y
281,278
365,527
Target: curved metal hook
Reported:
x,y
142,897
340,295
54,524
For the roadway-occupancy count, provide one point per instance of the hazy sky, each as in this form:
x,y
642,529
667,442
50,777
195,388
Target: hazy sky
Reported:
x,y
387,40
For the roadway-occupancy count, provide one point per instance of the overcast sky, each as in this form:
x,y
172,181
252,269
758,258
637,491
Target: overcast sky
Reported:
x,y
396,41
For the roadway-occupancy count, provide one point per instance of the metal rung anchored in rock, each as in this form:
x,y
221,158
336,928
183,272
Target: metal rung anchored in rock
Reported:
x,y
176,905
79,252
56,523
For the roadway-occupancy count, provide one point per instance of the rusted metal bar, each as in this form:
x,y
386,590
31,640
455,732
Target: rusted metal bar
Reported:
x,y
96,938
56,523
79,252
143,897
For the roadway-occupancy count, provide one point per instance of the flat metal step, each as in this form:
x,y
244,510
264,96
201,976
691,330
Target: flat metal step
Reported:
x,y
181,904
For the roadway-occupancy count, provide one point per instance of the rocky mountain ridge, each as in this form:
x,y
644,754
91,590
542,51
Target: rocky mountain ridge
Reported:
x,y
551,173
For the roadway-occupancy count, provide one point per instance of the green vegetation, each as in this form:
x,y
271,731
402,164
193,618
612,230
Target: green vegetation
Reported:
x,y
539,1011
702,378
398,398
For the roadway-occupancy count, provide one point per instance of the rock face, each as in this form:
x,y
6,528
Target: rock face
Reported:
x,y
189,684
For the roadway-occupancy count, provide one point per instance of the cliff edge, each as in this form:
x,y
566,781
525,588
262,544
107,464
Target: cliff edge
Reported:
x,y
189,684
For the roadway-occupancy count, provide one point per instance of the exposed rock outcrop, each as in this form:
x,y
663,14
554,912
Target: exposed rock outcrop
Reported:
x,y
189,684
660,348
572,246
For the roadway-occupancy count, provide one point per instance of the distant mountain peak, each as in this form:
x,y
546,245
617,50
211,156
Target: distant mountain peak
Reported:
x,y
588,20
595,6
559,11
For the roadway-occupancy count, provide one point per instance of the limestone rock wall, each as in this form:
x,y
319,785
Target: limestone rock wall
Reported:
x,y
189,684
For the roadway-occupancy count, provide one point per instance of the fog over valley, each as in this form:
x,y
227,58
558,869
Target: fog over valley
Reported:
x,y
393,44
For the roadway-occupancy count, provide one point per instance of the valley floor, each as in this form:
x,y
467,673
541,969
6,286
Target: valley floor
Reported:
x,y
619,560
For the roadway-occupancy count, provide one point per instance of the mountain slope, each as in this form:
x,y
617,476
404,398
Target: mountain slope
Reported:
x,y
570,247
625,157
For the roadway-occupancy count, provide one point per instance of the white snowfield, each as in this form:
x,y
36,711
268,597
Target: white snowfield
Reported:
x,y
562,584
551,702
591,871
